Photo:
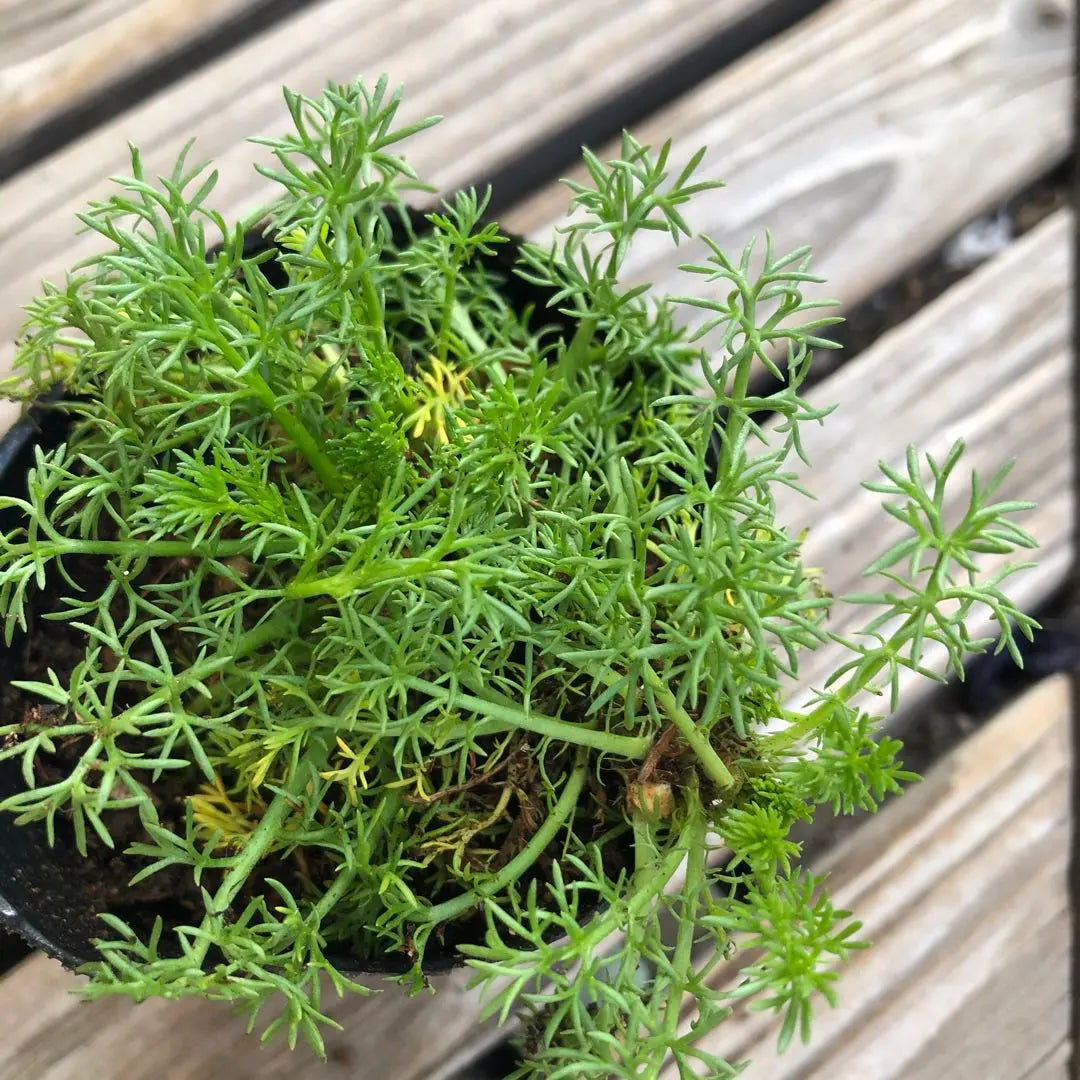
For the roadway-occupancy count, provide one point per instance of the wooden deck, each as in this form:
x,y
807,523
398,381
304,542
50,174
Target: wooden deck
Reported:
x,y
872,131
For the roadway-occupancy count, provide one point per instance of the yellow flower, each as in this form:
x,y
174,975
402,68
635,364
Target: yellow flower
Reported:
x,y
418,780
446,388
352,774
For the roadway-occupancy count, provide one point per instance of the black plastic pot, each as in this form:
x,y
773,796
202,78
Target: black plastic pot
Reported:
x,y
47,894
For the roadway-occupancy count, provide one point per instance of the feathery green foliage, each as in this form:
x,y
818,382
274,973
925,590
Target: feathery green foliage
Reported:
x,y
455,617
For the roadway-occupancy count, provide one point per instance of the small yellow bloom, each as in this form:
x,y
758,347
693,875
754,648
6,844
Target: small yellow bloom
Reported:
x,y
446,388
419,779
352,774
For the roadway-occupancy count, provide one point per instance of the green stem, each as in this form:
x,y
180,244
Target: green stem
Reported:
x,y
165,549
328,901
710,761
577,351
645,894
509,716
779,741
738,418
374,309
442,344
692,889
645,863
521,862
385,573
274,630
302,439
470,335
257,844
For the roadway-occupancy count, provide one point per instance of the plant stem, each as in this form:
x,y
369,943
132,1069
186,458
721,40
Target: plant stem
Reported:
x,y
442,343
528,855
509,715
468,333
164,549
375,309
710,761
693,842
743,371
385,573
328,901
274,629
578,350
258,843
302,439
646,890
779,741
709,758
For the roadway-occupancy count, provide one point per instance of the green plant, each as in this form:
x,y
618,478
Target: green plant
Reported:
x,y
445,617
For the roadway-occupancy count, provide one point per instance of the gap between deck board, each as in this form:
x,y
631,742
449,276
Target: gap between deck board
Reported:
x,y
64,80
106,1032
963,143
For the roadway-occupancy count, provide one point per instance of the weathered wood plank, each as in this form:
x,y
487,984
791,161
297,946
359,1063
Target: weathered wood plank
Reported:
x,y
55,54
869,131
54,1036
504,74
961,886
158,1037
1056,1065
1035,974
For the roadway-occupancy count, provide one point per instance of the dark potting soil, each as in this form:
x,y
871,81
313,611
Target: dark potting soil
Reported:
x,y
102,877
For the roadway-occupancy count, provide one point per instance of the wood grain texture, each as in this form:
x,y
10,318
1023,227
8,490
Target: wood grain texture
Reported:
x,y
54,1036
961,886
1056,1065
505,77
504,73
1034,971
161,1039
55,54
870,131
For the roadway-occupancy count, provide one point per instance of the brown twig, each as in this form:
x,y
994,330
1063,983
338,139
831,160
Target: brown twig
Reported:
x,y
658,749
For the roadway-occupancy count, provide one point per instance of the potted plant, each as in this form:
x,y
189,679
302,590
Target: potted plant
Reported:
x,y
397,594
